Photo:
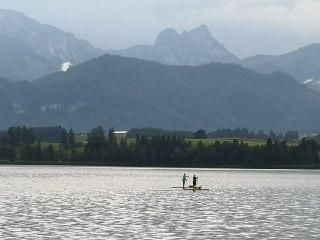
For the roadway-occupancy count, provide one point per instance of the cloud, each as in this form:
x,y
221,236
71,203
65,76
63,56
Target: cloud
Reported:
x,y
249,27
298,16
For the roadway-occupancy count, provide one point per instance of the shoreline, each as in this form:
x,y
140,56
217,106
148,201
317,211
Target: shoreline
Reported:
x,y
316,168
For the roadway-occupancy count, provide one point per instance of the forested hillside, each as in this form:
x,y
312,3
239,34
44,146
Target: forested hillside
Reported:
x,y
127,92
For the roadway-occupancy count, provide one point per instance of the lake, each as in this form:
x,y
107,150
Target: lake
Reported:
x,y
38,202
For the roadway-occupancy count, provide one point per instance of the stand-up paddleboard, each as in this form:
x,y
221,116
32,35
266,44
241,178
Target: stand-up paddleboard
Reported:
x,y
191,188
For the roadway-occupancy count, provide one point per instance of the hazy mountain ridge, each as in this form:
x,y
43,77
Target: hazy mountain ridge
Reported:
x,y
127,92
198,47
195,47
302,64
55,46
18,61
40,49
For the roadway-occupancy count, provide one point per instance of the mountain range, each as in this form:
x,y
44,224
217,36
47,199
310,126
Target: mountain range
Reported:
x,y
302,64
128,92
187,81
198,46
30,50
195,47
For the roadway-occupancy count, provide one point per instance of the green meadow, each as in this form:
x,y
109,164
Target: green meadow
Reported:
x,y
208,141
250,142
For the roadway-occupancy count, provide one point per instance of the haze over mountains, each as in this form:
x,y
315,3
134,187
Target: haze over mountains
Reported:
x,y
40,49
303,64
195,47
198,47
180,84
30,50
127,92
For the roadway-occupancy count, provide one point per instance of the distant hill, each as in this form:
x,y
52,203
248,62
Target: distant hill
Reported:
x,y
30,50
198,47
127,92
195,47
302,64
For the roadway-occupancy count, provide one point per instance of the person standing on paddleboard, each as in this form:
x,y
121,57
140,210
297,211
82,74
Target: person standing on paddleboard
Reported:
x,y
194,182
184,179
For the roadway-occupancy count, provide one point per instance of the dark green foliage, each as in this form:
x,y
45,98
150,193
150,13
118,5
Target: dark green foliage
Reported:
x,y
27,153
67,139
47,134
171,151
112,138
219,133
236,133
31,153
27,135
39,155
96,139
200,134
71,138
151,132
243,133
7,153
291,135
161,151
63,138
95,148
50,154
16,136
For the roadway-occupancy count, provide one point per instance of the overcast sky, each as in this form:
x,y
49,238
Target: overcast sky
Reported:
x,y
245,27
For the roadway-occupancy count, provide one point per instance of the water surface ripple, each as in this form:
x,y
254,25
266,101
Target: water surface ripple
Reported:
x,y
130,203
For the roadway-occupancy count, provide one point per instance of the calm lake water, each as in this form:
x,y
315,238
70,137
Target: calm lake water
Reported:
x,y
129,203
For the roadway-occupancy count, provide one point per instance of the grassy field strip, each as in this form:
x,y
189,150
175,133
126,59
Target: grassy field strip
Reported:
x,y
208,141
251,142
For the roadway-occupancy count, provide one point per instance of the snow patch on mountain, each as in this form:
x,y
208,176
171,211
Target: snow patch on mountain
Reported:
x,y
48,107
66,66
17,108
76,106
308,81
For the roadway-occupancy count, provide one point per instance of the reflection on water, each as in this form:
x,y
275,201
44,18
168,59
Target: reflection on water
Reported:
x,y
130,203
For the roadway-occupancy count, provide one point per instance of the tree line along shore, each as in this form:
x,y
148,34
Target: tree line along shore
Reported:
x,y
158,148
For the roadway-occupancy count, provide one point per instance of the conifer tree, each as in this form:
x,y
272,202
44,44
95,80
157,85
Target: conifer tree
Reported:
x,y
63,138
71,138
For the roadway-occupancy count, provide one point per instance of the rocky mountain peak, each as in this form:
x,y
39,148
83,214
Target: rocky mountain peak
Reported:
x,y
167,36
42,48
195,47
202,30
